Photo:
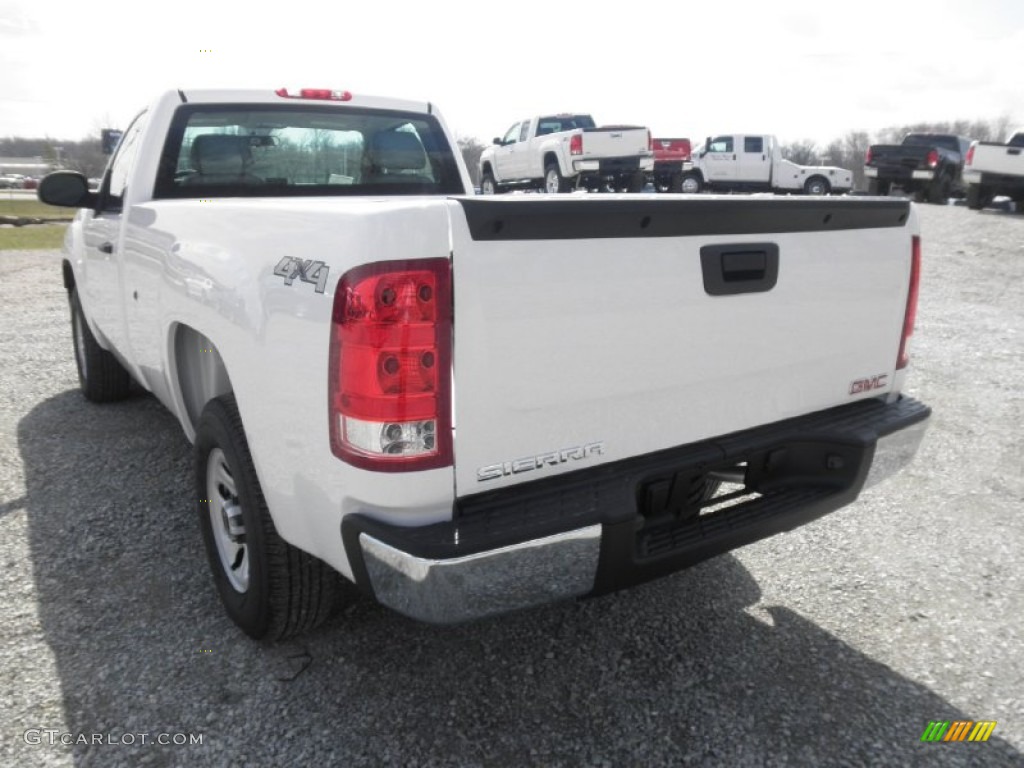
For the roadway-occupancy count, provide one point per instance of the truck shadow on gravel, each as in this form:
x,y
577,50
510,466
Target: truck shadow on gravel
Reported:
x,y
672,672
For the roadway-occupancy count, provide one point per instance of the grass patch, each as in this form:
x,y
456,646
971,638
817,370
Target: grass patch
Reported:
x,y
32,237
28,206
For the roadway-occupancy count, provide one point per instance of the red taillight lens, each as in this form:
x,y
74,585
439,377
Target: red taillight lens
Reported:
x,y
867,157
970,155
911,314
389,392
322,94
932,159
576,144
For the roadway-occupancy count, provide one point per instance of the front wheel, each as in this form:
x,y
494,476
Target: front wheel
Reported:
x,y
269,588
554,181
487,184
690,184
816,185
102,378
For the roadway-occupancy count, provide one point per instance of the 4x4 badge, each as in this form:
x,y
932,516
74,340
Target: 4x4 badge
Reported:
x,y
307,271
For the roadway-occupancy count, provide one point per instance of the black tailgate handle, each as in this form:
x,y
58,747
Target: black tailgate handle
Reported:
x,y
739,268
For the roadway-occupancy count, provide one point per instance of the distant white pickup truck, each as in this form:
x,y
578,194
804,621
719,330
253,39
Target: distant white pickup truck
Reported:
x,y
754,162
557,153
470,405
993,169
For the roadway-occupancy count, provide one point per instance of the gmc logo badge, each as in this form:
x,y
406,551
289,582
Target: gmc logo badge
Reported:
x,y
866,385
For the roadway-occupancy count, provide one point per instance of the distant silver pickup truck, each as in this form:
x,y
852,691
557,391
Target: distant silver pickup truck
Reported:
x,y
557,153
993,169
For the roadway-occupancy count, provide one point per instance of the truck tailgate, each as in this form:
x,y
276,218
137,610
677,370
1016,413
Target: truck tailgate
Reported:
x,y
614,141
593,330
997,158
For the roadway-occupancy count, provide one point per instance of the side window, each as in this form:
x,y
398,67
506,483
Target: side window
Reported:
x,y
525,133
512,136
753,144
721,144
122,163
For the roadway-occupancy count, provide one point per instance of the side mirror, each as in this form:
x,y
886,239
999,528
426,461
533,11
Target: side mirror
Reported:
x,y
67,189
496,140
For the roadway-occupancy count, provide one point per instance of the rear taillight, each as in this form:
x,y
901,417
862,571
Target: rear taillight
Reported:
x,y
389,391
911,313
932,159
970,155
867,157
576,144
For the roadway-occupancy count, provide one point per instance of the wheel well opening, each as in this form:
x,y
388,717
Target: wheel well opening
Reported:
x,y
551,159
69,276
486,168
200,371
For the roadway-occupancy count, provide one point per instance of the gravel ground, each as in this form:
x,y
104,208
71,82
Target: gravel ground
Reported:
x,y
831,645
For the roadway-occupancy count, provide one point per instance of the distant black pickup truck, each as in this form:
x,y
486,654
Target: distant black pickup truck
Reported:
x,y
927,165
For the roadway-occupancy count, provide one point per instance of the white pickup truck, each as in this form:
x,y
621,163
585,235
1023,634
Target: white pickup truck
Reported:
x,y
992,169
754,162
557,153
471,405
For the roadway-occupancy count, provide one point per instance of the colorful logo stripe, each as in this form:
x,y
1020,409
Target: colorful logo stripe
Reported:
x,y
958,730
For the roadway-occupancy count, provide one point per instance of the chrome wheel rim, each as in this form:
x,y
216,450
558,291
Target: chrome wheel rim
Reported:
x,y
552,179
487,187
226,520
690,186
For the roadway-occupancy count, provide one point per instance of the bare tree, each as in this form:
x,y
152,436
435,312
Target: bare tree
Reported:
x,y
802,152
471,149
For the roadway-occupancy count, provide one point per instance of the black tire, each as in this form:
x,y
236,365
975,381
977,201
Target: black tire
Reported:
x,y
285,591
879,188
487,184
938,190
554,181
817,185
975,197
636,182
676,184
102,378
691,184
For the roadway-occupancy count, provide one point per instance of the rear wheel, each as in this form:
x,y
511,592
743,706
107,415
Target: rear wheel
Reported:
x,y
637,182
977,197
102,378
269,588
554,182
676,185
938,191
816,185
880,188
487,185
690,184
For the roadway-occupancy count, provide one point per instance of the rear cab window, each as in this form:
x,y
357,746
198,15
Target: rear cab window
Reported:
x,y
265,150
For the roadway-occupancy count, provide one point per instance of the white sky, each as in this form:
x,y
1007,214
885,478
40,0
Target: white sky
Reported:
x,y
797,69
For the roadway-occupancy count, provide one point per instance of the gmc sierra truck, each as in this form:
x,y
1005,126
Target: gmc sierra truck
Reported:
x,y
558,153
754,163
470,405
992,169
925,165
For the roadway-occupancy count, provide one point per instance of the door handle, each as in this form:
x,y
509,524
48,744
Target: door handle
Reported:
x,y
106,247
734,157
